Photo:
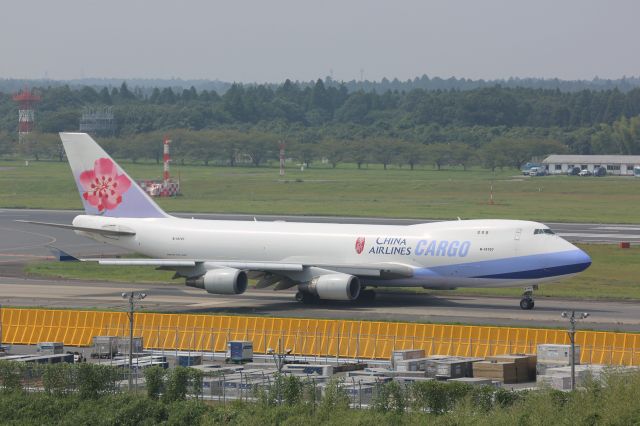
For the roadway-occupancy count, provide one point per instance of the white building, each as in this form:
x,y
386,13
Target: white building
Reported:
x,y
615,164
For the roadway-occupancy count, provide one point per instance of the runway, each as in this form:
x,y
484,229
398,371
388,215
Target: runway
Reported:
x,y
23,242
392,306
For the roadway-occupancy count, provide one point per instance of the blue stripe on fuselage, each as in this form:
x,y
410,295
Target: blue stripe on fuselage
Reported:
x,y
521,267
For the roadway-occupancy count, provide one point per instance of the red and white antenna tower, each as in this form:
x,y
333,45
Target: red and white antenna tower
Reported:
x,y
282,145
166,158
26,114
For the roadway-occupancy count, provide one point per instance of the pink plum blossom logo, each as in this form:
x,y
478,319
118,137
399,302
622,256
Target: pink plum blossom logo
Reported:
x,y
359,245
103,186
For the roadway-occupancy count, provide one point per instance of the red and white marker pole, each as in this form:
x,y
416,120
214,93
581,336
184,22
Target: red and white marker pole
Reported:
x,y
491,195
282,145
166,158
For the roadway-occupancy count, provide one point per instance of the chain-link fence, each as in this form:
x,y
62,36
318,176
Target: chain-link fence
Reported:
x,y
313,338
318,346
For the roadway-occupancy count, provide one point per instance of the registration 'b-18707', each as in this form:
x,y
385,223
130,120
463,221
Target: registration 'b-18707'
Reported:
x,y
323,260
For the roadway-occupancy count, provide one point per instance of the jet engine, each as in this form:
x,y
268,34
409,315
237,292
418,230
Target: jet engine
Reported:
x,y
221,281
333,287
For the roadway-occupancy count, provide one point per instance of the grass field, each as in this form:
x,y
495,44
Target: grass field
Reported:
x,y
347,191
613,275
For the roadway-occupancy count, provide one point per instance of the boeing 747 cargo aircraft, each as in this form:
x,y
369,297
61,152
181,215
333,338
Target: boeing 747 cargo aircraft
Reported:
x,y
323,260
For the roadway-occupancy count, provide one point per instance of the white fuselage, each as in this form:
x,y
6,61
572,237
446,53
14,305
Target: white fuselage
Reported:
x,y
441,254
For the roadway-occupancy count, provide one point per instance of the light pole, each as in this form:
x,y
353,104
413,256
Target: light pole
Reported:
x,y
132,297
571,315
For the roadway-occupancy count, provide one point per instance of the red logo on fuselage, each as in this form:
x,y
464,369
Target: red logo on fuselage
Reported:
x,y
359,245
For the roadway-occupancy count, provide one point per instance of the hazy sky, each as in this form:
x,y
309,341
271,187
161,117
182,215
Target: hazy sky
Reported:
x,y
270,40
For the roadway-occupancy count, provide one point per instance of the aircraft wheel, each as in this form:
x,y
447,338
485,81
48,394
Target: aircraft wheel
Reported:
x,y
367,295
527,304
306,298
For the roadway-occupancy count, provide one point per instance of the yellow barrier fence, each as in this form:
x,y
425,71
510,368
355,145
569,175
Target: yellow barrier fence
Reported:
x,y
311,337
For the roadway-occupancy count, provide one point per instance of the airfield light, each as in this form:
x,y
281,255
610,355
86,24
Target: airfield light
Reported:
x,y
279,356
132,297
573,317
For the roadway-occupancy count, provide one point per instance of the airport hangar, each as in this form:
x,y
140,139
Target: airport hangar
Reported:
x,y
621,165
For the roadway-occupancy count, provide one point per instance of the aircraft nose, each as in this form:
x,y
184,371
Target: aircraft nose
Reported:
x,y
582,260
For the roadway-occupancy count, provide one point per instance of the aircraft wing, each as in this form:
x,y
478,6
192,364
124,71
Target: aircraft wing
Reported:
x,y
382,270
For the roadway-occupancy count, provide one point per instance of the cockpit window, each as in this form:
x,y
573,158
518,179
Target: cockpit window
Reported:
x,y
543,231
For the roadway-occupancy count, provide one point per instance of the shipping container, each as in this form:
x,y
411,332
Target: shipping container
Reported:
x,y
188,360
240,351
104,346
50,348
558,353
123,345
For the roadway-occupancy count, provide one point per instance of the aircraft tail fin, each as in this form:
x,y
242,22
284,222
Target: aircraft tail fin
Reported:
x,y
105,188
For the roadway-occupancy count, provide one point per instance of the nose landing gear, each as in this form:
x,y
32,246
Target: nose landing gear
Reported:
x,y
527,302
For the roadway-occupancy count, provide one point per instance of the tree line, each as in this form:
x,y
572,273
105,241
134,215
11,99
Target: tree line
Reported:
x,y
319,104
425,82
445,127
258,146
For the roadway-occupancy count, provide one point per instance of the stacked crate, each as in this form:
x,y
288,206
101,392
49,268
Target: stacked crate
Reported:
x,y
525,365
496,370
404,355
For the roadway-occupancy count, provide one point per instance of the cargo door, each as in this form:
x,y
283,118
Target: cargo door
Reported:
x,y
516,239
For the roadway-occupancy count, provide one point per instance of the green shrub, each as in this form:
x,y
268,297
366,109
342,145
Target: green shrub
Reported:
x,y
195,380
177,384
154,378
482,397
94,380
390,397
11,375
335,398
292,390
59,379
186,413
506,398
438,397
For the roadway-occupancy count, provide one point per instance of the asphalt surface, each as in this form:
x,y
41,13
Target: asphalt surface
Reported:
x,y
388,306
21,242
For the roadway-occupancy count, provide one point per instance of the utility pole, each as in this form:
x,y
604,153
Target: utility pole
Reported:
x,y
132,297
572,338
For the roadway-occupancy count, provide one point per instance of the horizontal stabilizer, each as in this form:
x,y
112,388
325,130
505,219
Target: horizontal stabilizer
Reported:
x,y
62,256
144,262
118,232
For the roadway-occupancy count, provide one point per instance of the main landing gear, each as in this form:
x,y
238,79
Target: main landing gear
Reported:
x,y
310,299
527,302
367,296
307,298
